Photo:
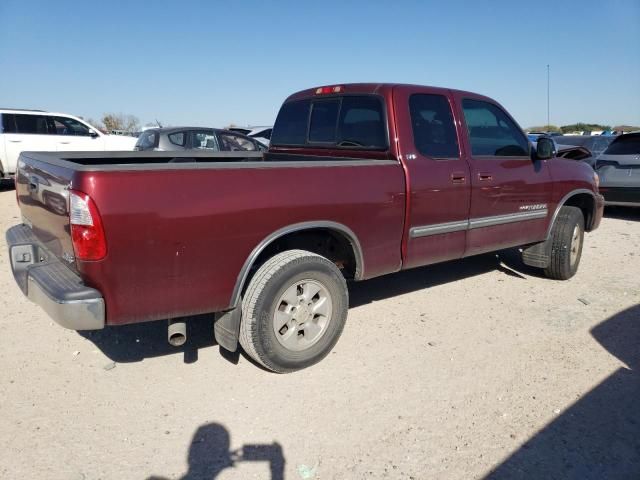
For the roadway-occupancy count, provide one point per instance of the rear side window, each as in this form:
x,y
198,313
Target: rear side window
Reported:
x,y
434,132
626,145
349,121
8,123
147,140
491,131
177,138
19,123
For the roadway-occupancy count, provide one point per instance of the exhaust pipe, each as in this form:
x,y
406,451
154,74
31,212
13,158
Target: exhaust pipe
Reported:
x,y
177,332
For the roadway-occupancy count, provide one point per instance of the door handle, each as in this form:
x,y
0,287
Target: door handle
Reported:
x,y
485,177
15,141
458,177
64,143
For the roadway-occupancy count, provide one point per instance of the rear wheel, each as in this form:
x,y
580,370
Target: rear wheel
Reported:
x,y
293,311
566,239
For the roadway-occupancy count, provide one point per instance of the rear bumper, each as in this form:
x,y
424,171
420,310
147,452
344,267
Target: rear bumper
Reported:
x,y
623,196
46,281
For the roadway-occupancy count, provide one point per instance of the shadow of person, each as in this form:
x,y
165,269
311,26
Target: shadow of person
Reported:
x,y
209,455
598,437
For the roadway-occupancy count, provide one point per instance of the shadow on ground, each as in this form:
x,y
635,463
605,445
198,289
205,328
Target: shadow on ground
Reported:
x,y
209,455
623,213
598,437
134,343
508,262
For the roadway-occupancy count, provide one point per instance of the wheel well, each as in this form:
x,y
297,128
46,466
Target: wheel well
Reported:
x,y
329,243
585,202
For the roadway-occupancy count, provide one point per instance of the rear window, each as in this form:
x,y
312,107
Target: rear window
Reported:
x,y
625,145
291,125
348,121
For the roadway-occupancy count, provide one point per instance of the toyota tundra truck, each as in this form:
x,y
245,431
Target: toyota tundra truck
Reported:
x,y
360,180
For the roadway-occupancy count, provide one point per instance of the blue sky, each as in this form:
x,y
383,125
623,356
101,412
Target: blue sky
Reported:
x,y
212,63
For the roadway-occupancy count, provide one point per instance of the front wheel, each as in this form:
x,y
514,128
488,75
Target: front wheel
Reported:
x,y
293,311
567,235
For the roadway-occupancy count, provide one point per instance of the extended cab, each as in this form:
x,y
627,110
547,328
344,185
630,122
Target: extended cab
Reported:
x,y
360,180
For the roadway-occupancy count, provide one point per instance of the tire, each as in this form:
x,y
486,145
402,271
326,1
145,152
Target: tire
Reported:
x,y
293,311
567,238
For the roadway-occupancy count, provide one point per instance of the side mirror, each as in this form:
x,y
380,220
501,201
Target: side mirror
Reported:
x,y
93,134
545,148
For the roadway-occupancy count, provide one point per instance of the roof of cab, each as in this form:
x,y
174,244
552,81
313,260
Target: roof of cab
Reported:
x,y
370,88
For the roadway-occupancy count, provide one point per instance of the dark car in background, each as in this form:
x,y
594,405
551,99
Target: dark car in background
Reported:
x,y
619,170
596,144
196,138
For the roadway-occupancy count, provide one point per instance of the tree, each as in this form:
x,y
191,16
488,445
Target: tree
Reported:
x,y
120,121
544,128
584,127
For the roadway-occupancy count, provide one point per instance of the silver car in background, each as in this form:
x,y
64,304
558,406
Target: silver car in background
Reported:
x,y
196,138
619,170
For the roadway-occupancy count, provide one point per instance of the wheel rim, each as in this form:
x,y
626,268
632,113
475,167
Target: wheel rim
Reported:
x,y
576,241
302,315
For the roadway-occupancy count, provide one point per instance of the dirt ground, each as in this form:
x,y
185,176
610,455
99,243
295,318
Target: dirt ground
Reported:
x,y
470,369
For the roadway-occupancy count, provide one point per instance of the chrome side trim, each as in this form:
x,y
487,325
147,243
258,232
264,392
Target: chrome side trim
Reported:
x,y
509,218
564,200
351,236
622,204
438,228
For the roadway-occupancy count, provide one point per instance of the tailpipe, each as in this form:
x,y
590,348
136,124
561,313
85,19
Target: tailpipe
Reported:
x,y
177,332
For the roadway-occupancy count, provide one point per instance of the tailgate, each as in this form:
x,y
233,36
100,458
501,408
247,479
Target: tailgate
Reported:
x,y
43,195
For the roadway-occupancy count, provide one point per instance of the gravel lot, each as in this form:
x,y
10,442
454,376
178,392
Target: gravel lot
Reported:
x,y
463,370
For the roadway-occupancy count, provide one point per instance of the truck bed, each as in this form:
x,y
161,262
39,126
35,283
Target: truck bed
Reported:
x,y
180,228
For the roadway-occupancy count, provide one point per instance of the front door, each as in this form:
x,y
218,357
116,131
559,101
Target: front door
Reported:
x,y
72,135
438,176
510,190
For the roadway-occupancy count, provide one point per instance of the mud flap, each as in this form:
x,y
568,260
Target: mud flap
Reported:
x,y
226,328
538,255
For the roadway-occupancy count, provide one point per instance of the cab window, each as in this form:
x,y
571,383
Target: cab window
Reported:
x,y
434,132
492,132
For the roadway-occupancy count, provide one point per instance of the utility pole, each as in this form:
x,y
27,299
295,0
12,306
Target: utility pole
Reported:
x,y
548,122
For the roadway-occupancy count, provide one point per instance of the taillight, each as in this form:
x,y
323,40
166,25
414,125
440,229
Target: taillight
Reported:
x,y
87,234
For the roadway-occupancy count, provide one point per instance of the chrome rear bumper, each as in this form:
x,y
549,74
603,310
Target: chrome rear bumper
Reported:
x,y
46,281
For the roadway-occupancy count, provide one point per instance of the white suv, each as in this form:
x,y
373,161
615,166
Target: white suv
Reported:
x,y
36,130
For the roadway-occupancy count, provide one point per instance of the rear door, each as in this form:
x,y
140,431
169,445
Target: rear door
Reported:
x,y
25,132
510,191
437,177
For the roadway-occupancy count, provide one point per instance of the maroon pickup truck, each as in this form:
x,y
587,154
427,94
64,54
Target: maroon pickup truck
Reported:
x,y
360,181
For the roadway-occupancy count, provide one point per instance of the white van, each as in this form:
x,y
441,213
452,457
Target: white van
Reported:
x,y
37,130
